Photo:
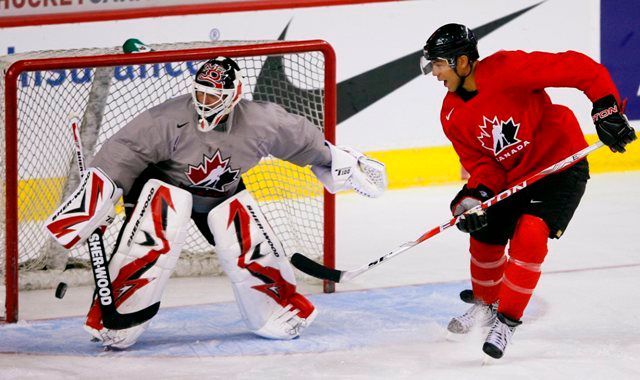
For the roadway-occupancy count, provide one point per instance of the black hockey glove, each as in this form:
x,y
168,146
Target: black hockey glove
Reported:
x,y
612,126
465,200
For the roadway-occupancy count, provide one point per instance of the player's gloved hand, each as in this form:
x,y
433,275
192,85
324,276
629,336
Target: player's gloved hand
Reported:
x,y
612,126
467,199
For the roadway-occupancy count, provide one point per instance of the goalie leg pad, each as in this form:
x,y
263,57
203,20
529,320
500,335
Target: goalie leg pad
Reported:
x,y
90,206
145,258
261,276
351,169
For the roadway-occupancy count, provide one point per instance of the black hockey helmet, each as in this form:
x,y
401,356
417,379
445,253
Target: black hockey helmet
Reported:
x,y
451,41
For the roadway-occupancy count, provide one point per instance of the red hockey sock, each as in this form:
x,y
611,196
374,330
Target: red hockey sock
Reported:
x,y
487,267
527,251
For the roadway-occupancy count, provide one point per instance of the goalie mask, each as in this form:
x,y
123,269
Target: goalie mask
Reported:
x,y
217,88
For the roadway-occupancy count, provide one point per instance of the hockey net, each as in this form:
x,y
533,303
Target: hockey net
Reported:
x,y
107,89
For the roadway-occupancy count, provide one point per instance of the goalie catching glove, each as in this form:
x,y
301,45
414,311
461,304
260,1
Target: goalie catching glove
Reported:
x,y
89,207
351,169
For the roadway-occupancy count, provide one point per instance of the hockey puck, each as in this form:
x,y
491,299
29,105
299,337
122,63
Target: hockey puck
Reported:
x,y
467,296
61,290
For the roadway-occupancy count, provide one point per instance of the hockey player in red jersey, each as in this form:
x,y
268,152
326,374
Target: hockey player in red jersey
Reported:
x,y
504,128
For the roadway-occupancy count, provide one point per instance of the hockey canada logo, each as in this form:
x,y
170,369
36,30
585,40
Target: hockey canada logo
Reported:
x,y
501,137
213,173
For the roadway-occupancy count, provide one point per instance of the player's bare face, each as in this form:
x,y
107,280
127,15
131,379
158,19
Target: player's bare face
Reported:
x,y
440,69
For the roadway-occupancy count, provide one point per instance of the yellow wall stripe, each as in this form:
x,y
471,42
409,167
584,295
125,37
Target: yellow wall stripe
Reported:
x,y
603,160
39,197
406,168
440,165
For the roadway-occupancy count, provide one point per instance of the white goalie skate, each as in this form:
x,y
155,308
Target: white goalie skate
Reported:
x,y
479,314
499,336
288,320
119,339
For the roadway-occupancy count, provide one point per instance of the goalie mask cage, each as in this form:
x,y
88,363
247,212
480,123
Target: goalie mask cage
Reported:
x,y
107,89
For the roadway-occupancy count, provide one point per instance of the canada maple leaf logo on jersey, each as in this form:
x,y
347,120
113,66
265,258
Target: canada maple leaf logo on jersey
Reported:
x,y
497,135
213,173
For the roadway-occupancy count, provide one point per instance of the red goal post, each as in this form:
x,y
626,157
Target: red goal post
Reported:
x,y
299,75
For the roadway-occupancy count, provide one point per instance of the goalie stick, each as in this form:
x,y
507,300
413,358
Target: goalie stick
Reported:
x,y
111,319
317,270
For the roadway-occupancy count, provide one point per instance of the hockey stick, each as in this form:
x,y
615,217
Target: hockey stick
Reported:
x,y
111,319
315,269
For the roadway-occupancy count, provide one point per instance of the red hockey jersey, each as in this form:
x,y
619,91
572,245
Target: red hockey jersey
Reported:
x,y
510,129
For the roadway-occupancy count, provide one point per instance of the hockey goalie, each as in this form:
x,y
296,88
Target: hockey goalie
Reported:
x,y
184,159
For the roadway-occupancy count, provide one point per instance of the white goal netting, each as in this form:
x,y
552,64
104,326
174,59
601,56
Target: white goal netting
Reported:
x,y
106,98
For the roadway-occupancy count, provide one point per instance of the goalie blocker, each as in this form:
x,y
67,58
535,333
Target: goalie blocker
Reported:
x,y
90,206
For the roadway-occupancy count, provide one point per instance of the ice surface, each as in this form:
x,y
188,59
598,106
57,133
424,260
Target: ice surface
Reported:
x,y
389,323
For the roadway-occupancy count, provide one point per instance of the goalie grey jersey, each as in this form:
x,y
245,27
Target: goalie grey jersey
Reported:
x,y
208,164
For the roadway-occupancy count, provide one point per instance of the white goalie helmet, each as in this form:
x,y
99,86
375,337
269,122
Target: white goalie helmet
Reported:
x,y
217,88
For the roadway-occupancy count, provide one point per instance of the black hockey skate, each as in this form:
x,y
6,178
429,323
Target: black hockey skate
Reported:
x,y
499,336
